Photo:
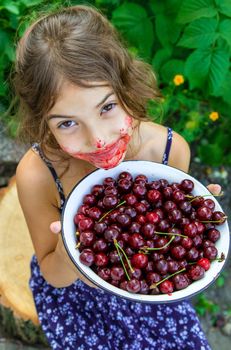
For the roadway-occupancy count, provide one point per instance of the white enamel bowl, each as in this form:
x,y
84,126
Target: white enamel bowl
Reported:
x,y
153,171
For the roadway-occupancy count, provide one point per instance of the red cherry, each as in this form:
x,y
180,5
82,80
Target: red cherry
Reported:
x,y
139,260
204,262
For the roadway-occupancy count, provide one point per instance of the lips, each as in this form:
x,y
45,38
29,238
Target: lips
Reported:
x,y
108,158
106,151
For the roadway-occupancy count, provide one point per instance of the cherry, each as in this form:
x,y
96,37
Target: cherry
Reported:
x,y
178,252
180,281
136,240
204,262
187,185
87,257
210,252
204,213
101,259
104,273
125,175
110,201
133,285
166,287
196,272
95,213
213,235
139,260
124,185
85,224
89,199
153,196
97,190
117,273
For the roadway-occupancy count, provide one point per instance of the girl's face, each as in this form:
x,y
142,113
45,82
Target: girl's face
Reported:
x,y
90,124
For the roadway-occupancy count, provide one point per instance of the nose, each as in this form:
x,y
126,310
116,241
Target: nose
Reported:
x,y
95,138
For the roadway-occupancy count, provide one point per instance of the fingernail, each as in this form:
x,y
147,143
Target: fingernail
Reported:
x,y
54,228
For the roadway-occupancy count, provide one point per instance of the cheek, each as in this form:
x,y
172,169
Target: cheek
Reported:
x,y
69,149
128,126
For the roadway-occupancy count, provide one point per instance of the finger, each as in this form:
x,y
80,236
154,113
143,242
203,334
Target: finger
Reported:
x,y
215,189
55,227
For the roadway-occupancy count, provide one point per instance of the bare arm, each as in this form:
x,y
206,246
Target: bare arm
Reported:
x,y
180,153
36,195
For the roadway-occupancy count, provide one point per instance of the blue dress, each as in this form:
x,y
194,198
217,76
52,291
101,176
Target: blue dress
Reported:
x,y
80,317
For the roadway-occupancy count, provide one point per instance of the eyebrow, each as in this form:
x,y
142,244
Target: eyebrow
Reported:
x,y
52,116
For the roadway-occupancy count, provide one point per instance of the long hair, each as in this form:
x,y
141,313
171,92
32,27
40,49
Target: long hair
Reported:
x,y
79,45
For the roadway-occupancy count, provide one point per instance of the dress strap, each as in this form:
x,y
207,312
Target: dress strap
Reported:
x,y
167,147
37,149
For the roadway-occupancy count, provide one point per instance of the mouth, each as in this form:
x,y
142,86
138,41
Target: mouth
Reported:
x,y
104,152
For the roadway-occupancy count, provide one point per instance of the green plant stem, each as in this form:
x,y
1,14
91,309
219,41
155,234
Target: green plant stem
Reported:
x,y
145,248
204,195
170,234
154,285
121,259
125,255
108,212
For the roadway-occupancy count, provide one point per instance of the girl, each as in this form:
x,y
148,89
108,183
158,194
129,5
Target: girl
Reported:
x,y
83,106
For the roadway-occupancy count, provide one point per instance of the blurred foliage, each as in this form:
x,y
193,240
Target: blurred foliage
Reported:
x,y
188,43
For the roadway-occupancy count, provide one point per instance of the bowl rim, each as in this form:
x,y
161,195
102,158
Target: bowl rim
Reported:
x,y
108,290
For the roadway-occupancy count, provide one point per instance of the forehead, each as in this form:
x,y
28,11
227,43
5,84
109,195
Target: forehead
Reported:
x,y
68,90
70,94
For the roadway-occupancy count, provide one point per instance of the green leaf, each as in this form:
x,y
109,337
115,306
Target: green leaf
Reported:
x,y
161,57
210,154
200,33
11,6
208,67
30,3
194,9
220,281
167,30
172,68
226,89
224,7
225,30
132,20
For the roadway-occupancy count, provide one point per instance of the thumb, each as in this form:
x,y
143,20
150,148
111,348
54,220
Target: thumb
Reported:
x,y
215,189
55,227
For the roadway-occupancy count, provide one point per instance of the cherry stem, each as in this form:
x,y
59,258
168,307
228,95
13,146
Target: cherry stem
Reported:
x,y
170,234
154,285
215,221
204,195
77,245
108,212
121,259
146,249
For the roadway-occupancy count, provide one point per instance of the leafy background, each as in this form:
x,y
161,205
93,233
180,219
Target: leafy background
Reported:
x,y
188,44
186,38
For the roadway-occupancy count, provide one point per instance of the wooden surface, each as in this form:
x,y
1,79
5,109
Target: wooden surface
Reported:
x,y
16,250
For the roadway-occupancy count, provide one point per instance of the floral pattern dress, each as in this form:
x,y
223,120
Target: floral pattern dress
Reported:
x,y
85,318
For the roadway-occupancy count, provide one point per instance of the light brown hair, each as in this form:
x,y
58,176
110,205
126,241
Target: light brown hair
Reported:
x,y
77,44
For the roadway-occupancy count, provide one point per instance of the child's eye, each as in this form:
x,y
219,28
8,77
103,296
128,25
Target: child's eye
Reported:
x,y
67,124
108,107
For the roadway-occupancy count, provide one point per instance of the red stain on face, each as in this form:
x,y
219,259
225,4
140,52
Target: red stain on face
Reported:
x,y
99,143
109,157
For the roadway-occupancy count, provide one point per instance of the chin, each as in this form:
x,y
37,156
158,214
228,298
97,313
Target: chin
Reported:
x,y
113,164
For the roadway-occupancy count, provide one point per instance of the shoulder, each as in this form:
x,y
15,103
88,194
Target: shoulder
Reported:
x,y
33,177
155,138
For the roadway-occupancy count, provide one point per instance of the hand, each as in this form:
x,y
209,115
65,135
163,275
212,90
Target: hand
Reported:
x,y
215,189
55,228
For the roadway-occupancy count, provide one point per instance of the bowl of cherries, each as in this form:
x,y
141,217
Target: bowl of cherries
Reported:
x,y
145,231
